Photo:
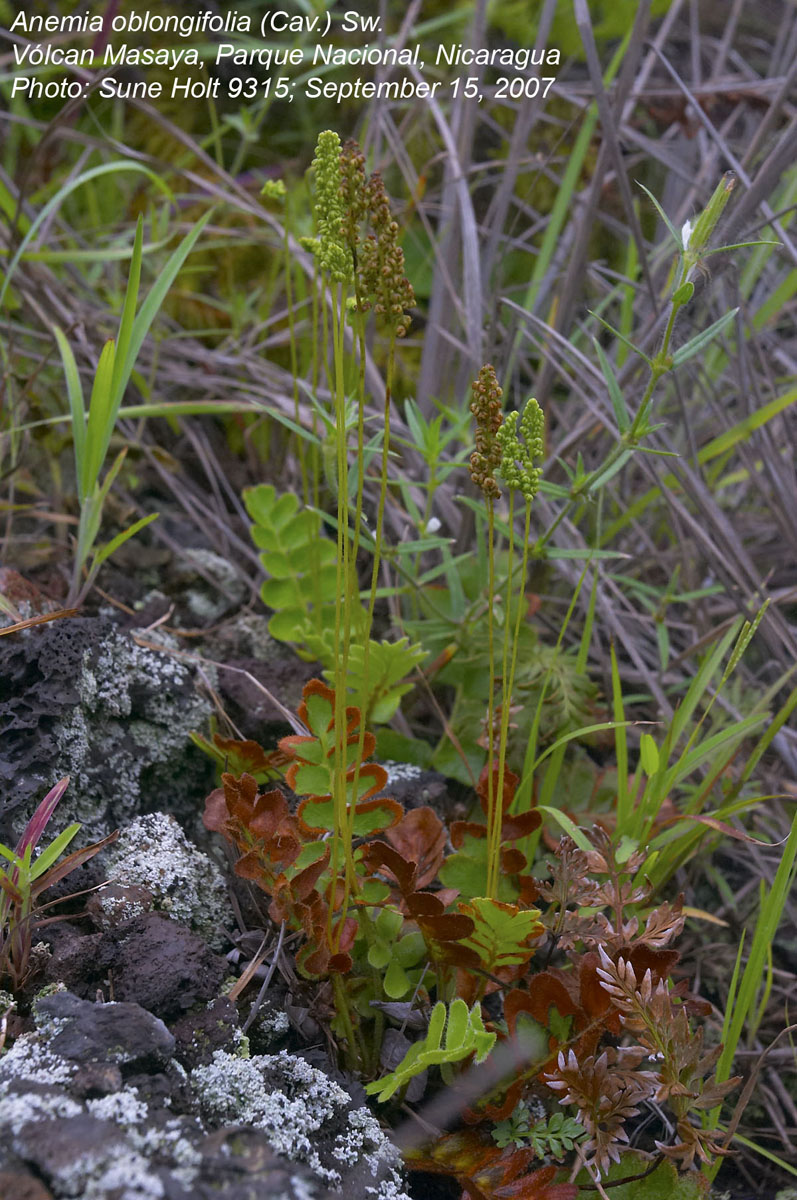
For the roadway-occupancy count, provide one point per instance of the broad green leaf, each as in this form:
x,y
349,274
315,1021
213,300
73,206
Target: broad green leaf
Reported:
x,y
395,982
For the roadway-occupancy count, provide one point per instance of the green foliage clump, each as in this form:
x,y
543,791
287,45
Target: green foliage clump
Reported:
x,y
302,581
555,1135
455,1032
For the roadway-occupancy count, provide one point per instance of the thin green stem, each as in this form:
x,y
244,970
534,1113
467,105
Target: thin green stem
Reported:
x,y
494,852
492,866
661,365
358,514
299,441
342,616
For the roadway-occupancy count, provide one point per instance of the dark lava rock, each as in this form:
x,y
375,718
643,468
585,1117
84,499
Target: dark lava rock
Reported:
x,y
271,1126
79,698
94,1079
54,1155
199,1034
120,1033
150,960
238,1165
162,965
17,1182
78,960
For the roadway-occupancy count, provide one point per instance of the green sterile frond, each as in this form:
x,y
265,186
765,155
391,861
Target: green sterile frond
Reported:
x,y
453,1034
389,664
300,565
503,935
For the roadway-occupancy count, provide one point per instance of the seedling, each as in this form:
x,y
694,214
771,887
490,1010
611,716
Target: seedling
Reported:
x,y
23,878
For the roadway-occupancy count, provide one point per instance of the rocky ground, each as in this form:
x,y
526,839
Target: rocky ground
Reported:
x,y
127,1075
132,1069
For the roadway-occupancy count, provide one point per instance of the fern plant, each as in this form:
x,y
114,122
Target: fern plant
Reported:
x,y
302,577
556,1135
455,1032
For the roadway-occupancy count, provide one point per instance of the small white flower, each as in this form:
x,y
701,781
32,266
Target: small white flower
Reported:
x,y
686,233
432,525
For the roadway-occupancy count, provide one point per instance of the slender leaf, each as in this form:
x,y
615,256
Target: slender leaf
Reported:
x,y
77,406
154,300
112,168
111,547
618,400
697,343
676,235
101,421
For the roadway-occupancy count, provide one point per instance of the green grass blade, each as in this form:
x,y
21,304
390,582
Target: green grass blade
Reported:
x,y
697,688
101,420
765,930
128,316
111,547
569,826
774,727
77,405
767,1154
59,197
709,749
54,851
154,301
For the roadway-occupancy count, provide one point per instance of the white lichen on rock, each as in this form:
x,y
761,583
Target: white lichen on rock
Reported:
x,y
301,1189
272,1024
296,1106
213,584
170,1140
154,853
137,709
128,1176
112,907
388,1189
17,1111
30,1059
401,771
235,1090
123,1108
365,1139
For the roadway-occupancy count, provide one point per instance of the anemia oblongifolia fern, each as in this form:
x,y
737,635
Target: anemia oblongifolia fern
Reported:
x,y
500,450
374,268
